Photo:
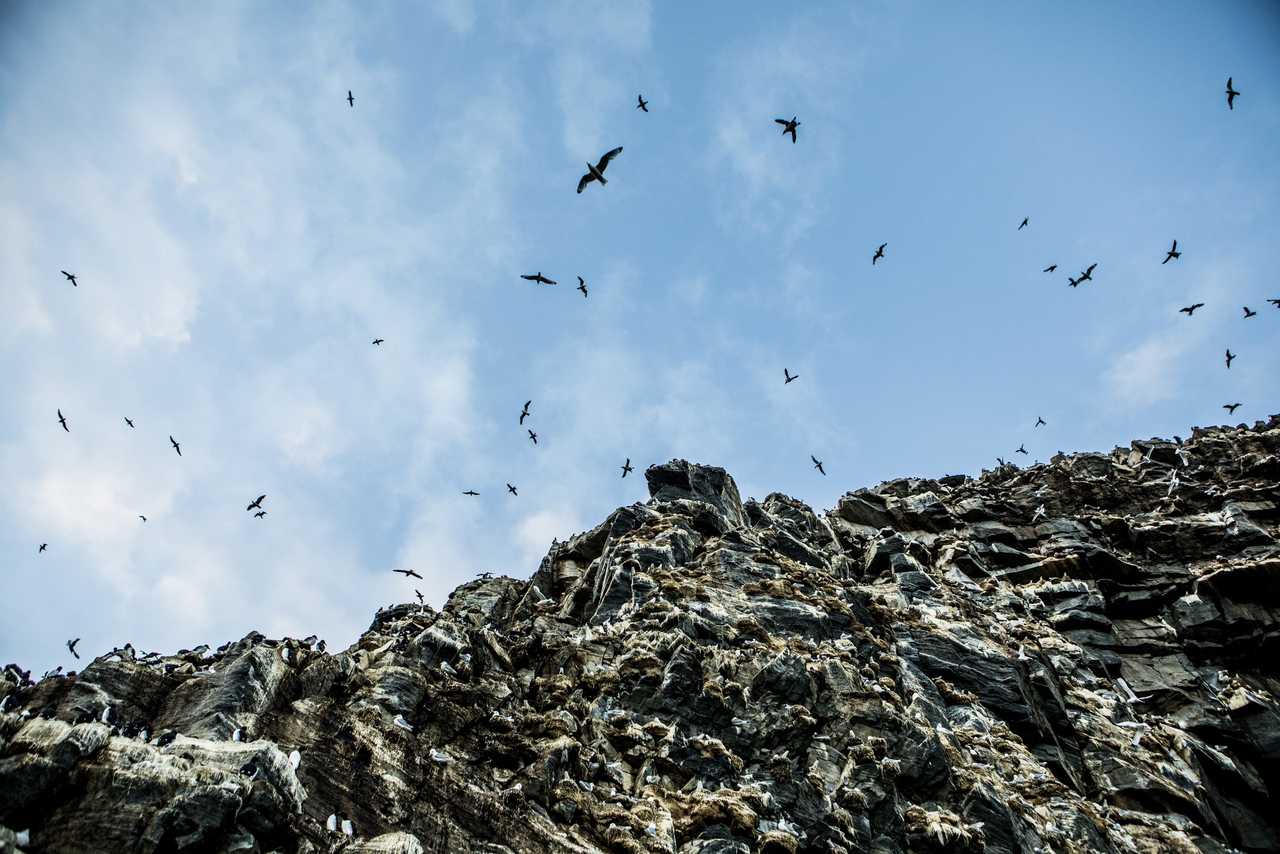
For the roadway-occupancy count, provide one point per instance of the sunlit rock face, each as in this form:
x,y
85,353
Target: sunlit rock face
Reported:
x,y
1076,656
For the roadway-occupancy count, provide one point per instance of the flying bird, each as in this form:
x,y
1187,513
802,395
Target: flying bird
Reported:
x,y
377,342
418,593
1025,220
1087,275
1172,253
484,576
788,376
43,546
539,278
642,103
127,421
70,278
512,489
1248,312
351,99
1050,268
1231,95
817,463
259,514
879,254
1040,422
1191,309
626,467
71,645
63,421
533,436
176,446
582,286
408,573
470,492
1022,449
596,173
1275,302
256,503
789,127
1231,407
1073,282
1230,358
524,413
143,518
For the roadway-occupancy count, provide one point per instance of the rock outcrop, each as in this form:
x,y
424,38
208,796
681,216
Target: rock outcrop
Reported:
x,y
1075,656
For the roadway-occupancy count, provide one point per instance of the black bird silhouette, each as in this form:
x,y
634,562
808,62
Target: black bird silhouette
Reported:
x,y
1087,275
533,436
418,593
259,514
176,446
1230,358
512,489
43,546
470,492
1275,302
879,254
789,127
788,376
63,421
408,573
626,467
71,277
256,504
71,645
1050,268
1231,407
643,104
1172,253
1191,309
1022,449
351,99
1231,95
377,342
817,463
143,518
1001,461
596,173
539,278
1248,312
582,286
1025,220
127,421
1040,422
1075,283
524,413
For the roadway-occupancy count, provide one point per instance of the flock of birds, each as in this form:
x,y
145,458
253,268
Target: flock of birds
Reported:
x,y
595,173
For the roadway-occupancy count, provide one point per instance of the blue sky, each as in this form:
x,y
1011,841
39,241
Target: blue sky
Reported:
x,y
240,235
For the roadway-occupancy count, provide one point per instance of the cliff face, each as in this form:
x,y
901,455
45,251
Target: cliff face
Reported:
x,y
1078,656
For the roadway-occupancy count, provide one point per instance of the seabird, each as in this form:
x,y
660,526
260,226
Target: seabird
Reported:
x,y
409,573
626,467
295,759
418,593
1087,275
512,489
377,342
642,103
1025,220
256,503
1230,358
43,546
1073,282
347,828
1231,407
259,514
331,823
1039,514
1050,268
1172,253
71,645
524,413
236,734
1248,312
402,723
1191,309
176,446
1022,449
63,421
789,127
879,254
1040,422
470,492
440,756
1231,96
127,421
788,377
533,436
351,99
143,518
1275,302
817,463
596,173
582,286
70,278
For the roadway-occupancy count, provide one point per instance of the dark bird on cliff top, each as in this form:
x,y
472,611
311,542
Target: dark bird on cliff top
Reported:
x,y
1025,221
512,489
1050,268
176,446
524,413
789,127
1022,449
788,376
879,254
1230,358
817,463
582,286
70,278
596,173
256,504
1231,95
627,468
1040,422
63,421
408,573
470,492
484,576
642,104
1172,253
259,514
351,99
1087,275
71,645
533,436
539,278
127,421
1248,312
378,342
1191,309
1231,407
43,546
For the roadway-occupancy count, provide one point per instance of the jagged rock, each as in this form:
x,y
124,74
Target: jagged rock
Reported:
x,y
932,665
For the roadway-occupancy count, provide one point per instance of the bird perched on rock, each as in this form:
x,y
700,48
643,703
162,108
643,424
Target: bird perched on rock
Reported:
x,y
1025,221
596,172
256,504
402,723
789,127
1172,253
1230,358
1231,95
879,254
408,573
539,278
295,759
484,576
1248,312
626,467
1050,268
1231,407
788,377
71,645
817,463
176,446
63,421
642,104
1191,309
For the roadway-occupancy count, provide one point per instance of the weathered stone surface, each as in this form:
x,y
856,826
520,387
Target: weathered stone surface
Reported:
x,y
1077,656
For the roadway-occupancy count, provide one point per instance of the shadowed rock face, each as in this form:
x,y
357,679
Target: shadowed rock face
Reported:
x,y
931,665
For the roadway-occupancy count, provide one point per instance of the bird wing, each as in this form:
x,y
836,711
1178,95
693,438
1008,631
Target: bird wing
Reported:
x,y
782,122
582,184
609,155
532,278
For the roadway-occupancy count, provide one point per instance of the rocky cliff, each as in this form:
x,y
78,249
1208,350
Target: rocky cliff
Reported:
x,y
1076,656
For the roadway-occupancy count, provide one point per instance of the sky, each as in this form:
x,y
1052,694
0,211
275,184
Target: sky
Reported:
x,y
241,234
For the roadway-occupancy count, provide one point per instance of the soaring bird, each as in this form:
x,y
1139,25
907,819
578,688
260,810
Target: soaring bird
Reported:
x,y
789,376
539,278
418,593
71,277
626,467
596,173
1025,220
1230,358
512,489
817,463
259,514
1022,449
63,421
127,421
256,504
1231,407
1231,95
1172,253
789,127
582,286
1275,302
470,492
176,446
1075,283
643,104
143,518
1040,422
377,342
1050,268
484,576
532,436
351,99
43,546
524,413
1191,309
879,254
1248,312
71,645
408,573
1087,275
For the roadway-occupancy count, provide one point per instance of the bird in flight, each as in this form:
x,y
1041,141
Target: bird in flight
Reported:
x,y
1172,253
143,518
1230,358
533,436
817,463
879,254
127,421
418,593
71,277
512,489
1087,275
524,413
1231,407
1191,309
596,173
1275,302
351,99
788,376
1050,268
1040,422
71,645
582,286
642,103
470,492
176,446
43,546
1231,95
63,421
789,127
1073,282
1248,312
408,573
256,504
259,514
539,278
627,467
377,342
1025,221
1022,449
